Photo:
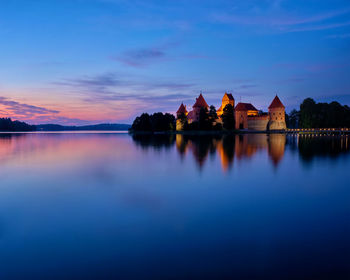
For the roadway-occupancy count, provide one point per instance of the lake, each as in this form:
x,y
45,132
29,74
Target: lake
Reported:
x,y
113,206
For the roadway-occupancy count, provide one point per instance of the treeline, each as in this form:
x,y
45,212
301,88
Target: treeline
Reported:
x,y
154,123
319,115
207,121
6,124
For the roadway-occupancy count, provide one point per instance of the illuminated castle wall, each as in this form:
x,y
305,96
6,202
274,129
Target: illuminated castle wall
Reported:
x,y
246,115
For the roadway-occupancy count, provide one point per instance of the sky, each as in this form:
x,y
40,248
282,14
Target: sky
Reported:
x,y
95,61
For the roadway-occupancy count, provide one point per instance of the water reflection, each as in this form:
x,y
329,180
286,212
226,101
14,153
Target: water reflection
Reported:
x,y
310,147
157,141
96,206
245,146
226,147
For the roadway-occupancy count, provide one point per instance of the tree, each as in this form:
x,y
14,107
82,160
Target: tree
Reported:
x,y
307,111
228,117
293,119
142,123
162,122
212,114
6,124
154,123
204,122
323,115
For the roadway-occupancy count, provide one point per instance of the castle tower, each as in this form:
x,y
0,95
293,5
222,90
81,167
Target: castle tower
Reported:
x,y
277,115
242,112
227,99
181,111
198,105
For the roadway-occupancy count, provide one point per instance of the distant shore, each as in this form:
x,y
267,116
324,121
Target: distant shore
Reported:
x,y
8,125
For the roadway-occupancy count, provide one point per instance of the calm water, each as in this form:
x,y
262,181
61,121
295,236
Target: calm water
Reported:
x,y
110,206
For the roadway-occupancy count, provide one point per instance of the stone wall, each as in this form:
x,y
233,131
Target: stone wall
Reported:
x,y
241,120
259,123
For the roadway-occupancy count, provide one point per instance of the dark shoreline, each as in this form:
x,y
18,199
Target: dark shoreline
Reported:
x,y
239,132
203,132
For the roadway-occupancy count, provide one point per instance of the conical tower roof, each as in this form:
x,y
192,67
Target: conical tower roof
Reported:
x,y
276,103
200,102
182,109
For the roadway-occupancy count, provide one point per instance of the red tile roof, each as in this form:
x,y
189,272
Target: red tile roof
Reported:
x,y
276,103
245,107
200,102
182,109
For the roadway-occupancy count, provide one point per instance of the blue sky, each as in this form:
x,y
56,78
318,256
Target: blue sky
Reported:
x,y
91,61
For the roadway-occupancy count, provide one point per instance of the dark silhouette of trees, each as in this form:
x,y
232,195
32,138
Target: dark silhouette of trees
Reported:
x,y
307,111
163,122
142,123
154,123
319,115
292,119
228,117
212,114
204,122
6,124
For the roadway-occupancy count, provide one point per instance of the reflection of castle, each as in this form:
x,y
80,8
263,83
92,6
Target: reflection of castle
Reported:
x,y
230,147
234,148
246,115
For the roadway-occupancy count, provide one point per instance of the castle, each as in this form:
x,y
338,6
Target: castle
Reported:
x,y
245,114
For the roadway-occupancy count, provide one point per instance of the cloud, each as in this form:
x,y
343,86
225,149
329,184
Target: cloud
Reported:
x,y
129,95
25,110
141,57
319,27
112,86
38,115
34,114
146,56
281,20
246,86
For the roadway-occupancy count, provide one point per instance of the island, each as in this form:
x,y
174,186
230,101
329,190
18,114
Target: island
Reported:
x,y
245,117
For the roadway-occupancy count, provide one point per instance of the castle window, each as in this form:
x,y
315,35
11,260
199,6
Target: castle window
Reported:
x,y
280,113
273,113
276,118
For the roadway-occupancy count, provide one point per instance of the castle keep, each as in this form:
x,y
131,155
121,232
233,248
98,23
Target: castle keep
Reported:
x,y
245,114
